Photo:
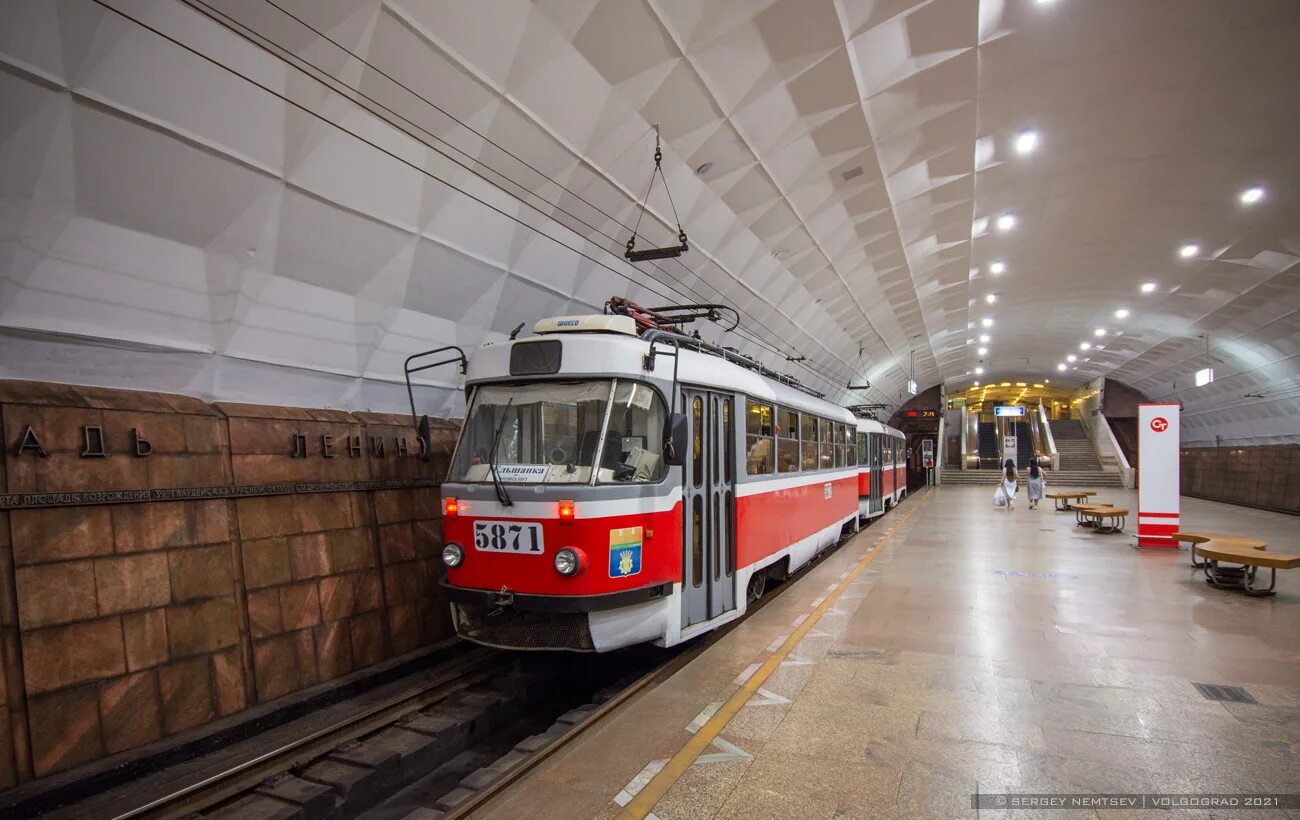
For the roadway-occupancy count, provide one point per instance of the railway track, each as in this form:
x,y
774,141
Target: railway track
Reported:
x,y
190,787
362,753
465,800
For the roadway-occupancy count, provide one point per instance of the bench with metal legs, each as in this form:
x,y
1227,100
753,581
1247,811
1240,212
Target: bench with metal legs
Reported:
x,y
1239,577
1244,558
1094,517
1063,500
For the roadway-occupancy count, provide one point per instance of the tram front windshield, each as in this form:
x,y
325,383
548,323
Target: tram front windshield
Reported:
x,y
554,432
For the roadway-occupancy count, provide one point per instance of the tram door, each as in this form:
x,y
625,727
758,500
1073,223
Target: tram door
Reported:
x,y
709,497
875,458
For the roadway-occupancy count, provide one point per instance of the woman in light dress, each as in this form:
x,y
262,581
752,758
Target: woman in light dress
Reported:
x,y
1010,481
1035,484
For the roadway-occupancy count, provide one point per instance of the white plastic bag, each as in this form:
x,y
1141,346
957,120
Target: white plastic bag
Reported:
x,y
1000,497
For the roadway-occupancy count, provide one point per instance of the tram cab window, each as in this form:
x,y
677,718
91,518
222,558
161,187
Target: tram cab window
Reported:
x,y
787,440
827,459
633,450
760,446
550,433
808,432
540,433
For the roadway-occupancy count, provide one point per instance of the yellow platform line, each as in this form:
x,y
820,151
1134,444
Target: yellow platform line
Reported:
x,y
645,800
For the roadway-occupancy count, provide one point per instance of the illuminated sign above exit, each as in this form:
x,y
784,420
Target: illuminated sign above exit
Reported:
x,y
1009,410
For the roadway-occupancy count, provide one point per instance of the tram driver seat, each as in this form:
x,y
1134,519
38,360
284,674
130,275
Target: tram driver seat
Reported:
x,y
609,460
639,464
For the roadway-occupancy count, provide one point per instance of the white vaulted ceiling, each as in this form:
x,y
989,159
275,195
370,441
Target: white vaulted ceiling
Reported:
x,y
417,173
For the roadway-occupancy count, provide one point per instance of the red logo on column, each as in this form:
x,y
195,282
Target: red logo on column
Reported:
x,y
1159,424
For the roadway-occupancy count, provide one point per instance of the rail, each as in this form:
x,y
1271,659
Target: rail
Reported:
x,y
666,670
204,789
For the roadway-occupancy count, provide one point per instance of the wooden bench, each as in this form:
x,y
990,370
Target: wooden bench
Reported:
x,y
1249,555
1080,508
1096,515
1200,537
1063,499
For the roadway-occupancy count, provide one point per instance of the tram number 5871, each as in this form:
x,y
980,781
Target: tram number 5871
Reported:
x,y
508,536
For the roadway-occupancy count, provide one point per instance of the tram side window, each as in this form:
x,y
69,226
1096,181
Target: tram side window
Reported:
x,y
760,444
697,440
850,445
862,449
634,439
808,432
841,449
787,440
827,459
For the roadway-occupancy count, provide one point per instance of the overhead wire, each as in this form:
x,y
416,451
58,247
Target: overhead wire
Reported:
x,y
832,375
673,287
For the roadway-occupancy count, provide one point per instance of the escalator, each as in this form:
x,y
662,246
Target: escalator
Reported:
x,y
1024,446
988,446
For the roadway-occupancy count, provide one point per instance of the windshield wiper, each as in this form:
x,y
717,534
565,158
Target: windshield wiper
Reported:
x,y
502,495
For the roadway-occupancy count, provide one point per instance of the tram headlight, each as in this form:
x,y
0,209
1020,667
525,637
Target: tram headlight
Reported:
x,y
568,561
453,555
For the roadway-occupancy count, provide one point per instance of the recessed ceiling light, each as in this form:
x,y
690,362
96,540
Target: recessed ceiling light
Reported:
x,y
1148,287
1101,331
997,268
968,341
987,321
1027,141
1006,222
1084,346
1189,250
982,351
1060,367
1005,384
984,338
979,371
977,384
991,298
1071,358
1047,381
1252,195
1122,313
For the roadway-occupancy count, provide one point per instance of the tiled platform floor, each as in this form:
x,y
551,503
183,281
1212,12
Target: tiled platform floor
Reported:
x,y
980,649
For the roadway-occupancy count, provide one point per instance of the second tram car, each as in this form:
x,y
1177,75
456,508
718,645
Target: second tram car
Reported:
x,y
616,484
882,468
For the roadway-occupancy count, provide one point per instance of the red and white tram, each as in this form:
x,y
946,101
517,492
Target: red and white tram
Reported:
x,y
882,468
581,513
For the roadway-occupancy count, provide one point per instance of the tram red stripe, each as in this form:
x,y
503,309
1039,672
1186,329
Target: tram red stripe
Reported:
x,y
769,522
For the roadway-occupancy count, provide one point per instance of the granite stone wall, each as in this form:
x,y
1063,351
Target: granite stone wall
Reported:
x,y
165,562
1266,476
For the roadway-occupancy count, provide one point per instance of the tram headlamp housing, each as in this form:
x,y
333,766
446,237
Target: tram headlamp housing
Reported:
x,y
569,561
453,555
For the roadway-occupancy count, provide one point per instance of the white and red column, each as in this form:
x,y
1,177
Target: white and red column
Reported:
x,y
1158,475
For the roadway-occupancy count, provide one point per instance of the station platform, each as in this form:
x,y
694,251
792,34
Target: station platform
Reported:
x,y
953,648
